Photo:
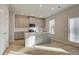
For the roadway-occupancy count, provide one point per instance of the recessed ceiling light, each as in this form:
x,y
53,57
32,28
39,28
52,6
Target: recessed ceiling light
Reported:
x,y
52,8
41,5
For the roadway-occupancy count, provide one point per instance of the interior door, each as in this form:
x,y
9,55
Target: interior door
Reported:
x,y
4,28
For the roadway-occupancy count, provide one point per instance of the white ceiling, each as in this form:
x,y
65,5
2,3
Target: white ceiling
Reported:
x,y
37,10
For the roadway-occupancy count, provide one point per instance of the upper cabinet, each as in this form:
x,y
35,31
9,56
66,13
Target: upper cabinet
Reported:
x,y
39,22
21,21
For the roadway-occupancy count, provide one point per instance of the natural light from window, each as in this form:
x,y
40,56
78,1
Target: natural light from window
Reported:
x,y
74,29
51,26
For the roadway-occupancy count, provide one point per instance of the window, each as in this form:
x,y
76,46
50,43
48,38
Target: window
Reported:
x,y
74,29
51,26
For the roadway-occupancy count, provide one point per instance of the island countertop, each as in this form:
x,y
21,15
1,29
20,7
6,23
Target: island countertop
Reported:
x,y
34,38
36,32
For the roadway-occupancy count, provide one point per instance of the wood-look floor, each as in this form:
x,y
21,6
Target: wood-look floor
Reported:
x,y
53,48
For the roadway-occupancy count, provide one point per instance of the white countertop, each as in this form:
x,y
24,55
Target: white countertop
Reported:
x,y
36,32
20,29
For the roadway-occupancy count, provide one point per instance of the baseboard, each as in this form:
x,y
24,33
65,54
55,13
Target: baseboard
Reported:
x,y
5,50
19,39
67,43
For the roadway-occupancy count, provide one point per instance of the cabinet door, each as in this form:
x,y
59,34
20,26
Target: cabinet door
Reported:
x,y
21,21
4,28
38,22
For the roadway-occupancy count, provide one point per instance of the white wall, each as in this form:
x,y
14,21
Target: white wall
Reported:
x,y
61,23
11,26
4,27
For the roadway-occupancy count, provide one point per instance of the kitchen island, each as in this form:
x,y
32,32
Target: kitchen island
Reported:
x,y
35,38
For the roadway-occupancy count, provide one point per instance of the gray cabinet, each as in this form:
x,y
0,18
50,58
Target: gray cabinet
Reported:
x,y
21,21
